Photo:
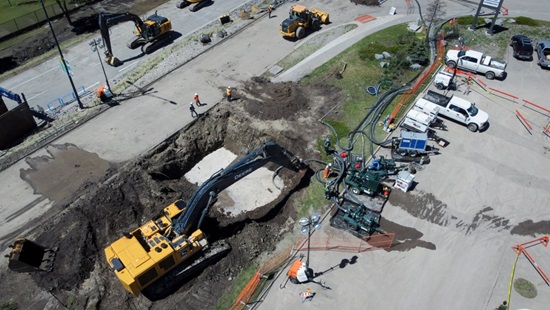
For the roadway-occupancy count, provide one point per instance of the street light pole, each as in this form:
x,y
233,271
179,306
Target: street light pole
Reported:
x,y
308,225
80,105
96,45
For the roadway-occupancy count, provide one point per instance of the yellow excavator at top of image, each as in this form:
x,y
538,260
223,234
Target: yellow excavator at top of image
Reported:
x,y
151,33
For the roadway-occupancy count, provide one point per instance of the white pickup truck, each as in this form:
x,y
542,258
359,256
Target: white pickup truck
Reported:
x,y
476,62
458,109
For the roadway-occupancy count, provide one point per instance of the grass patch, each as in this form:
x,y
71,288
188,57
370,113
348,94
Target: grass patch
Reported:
x,y
527,21
362,71
311,46
525,288
229,297
9,305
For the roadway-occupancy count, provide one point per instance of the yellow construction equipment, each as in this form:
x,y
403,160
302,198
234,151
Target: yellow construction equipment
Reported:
x,y
301,19
170,248
150,34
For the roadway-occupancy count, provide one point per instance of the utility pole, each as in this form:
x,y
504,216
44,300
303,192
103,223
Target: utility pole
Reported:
x,y
80,105
96,45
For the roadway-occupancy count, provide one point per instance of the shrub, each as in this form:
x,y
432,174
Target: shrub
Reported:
x,y
527,21
468,20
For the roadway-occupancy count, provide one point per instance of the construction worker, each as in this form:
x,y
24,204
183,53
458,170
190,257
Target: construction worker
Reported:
x,y
228,92
197,101
193,111
269,10
504,306
327,145
386,192
326,173
468,84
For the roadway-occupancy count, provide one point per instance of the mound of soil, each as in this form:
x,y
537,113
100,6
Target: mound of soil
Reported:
x,y
127,196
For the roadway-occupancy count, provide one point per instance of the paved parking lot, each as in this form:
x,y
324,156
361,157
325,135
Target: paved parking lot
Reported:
x,y
484,193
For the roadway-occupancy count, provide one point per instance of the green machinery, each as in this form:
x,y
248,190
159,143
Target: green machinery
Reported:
x,y
357,219
368,180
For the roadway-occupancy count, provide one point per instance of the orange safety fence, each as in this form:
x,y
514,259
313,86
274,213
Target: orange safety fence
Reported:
x,y
248,291
427,73
370,243
504,93
356,245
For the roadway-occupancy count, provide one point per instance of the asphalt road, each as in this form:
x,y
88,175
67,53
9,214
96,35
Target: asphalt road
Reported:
x,y
37,83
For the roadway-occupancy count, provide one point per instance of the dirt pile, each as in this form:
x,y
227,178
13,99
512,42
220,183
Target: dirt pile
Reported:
x,y
134,193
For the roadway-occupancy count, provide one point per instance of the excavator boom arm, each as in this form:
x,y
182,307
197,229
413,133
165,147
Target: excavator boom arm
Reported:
x,y
107,20
10,95
269,152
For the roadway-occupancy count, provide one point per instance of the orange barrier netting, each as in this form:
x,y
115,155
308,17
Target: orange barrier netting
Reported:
x,y
371,243
427,73
250,288
374,242
522,248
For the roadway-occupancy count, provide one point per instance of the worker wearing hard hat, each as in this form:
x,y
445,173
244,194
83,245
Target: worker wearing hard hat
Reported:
x,y
197,100
228,92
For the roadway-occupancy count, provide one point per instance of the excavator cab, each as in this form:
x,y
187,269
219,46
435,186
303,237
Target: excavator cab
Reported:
x,y
153,27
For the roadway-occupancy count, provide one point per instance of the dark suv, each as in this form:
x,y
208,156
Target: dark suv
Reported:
x,y
523,49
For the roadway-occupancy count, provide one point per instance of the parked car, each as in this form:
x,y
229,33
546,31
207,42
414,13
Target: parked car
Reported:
x,y
543,53
522,46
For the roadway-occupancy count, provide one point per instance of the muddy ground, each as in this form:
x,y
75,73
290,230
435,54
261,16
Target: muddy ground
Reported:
x,y
115,199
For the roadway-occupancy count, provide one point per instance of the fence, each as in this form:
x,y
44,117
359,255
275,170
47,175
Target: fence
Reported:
x,y
375,242
421,79
33,19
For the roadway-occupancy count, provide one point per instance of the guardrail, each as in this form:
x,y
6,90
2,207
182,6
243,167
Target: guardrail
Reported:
x,y
58,103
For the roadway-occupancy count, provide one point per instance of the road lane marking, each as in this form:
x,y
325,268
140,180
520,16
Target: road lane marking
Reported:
x,y
40,93
128,66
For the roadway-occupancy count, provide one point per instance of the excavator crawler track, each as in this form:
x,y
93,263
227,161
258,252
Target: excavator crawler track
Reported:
x,y
177,276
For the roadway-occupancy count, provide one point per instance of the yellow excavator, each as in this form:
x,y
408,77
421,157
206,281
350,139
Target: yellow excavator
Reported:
x,y
156,257
150,34
301,19
194,5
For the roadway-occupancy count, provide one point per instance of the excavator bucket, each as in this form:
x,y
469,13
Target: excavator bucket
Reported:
x,y
28,256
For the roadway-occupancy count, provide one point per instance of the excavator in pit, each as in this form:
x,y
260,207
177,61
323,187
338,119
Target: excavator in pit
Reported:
x,y
150,34
163,252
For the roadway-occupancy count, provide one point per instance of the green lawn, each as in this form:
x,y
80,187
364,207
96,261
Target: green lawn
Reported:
x,y
360,73
10,9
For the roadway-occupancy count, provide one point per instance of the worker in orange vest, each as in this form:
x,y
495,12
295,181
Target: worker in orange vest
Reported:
x,y
228,92
326,173
197,101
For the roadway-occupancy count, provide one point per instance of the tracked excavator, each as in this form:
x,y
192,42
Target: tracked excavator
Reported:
x,y
150,34
194,5
170,248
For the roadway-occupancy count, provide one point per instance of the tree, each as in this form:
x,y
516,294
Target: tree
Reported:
x,y
435,12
